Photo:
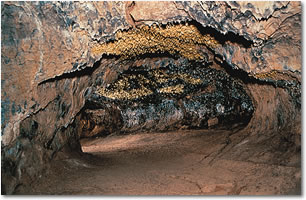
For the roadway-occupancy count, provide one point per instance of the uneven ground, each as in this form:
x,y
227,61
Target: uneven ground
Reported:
x,y
198,162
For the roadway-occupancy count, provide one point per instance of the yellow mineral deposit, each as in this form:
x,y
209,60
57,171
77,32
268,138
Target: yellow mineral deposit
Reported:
x,y
174,39
270,74
176,89
120,89
189,79
162,77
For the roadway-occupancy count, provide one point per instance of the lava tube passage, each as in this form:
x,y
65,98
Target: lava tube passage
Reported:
x,y
151,98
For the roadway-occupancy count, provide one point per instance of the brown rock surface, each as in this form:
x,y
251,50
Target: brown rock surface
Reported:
x,y
47,68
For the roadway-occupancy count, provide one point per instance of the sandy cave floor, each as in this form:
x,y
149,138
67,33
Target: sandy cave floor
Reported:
x,y
198,162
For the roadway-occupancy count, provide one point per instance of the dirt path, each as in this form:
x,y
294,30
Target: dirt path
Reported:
x,y
173,163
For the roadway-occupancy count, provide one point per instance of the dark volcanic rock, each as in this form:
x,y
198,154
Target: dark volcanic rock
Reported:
x,y
185,94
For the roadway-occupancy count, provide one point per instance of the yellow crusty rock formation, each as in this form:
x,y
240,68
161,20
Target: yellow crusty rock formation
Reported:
x,y
174,39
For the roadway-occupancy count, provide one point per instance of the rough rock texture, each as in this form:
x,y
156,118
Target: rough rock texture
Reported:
x,y
47,68
43,40
262,24
168,94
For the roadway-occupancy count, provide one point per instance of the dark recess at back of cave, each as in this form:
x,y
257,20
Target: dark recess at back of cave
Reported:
x,y
176,94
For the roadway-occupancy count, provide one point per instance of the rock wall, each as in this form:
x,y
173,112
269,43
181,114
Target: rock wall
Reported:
x,y
165,94
48,64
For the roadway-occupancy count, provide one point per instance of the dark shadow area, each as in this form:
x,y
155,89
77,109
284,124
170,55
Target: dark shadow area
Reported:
x,y
86,71
240,74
